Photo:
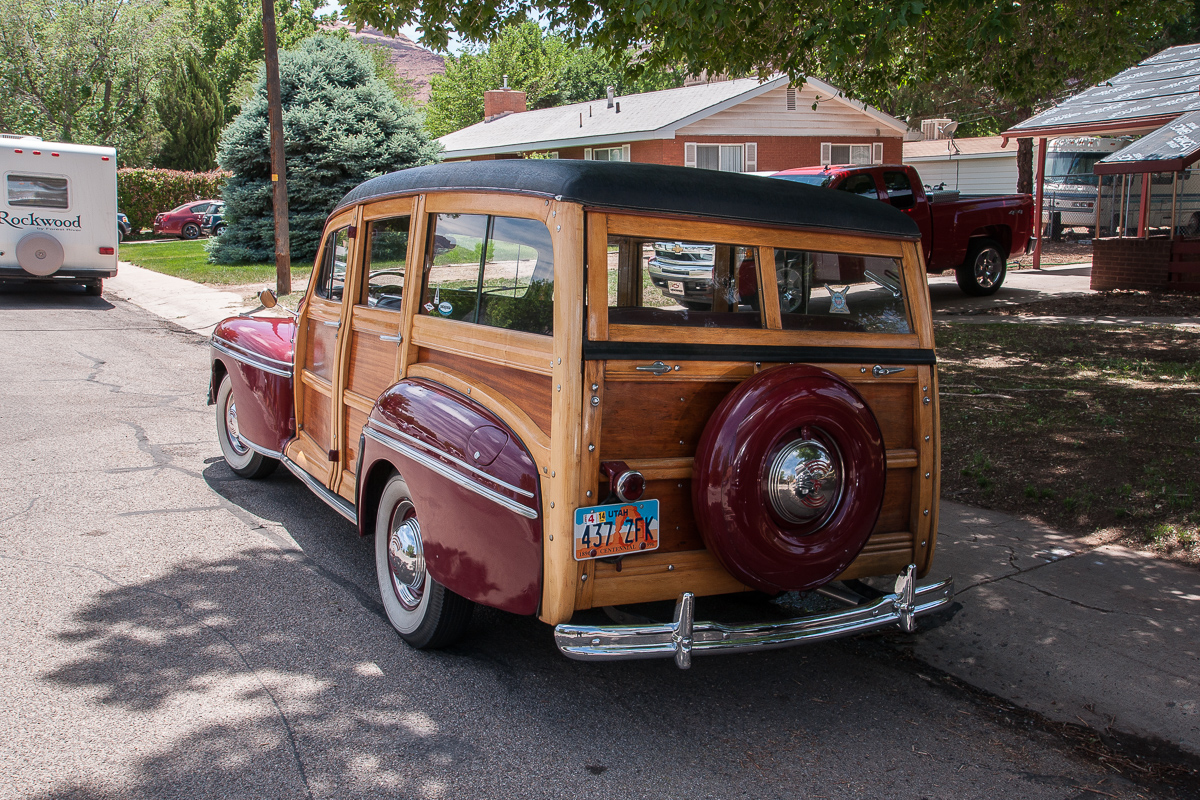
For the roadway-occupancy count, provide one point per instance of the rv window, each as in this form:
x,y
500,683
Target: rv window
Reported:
x,y
37,191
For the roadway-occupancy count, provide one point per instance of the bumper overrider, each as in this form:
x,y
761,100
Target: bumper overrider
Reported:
x,y
684,636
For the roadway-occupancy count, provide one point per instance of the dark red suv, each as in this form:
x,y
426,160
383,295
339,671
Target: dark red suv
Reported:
x,y
183,221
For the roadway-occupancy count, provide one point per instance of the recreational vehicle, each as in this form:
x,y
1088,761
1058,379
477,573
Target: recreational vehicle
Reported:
x,y
1070,187
58,218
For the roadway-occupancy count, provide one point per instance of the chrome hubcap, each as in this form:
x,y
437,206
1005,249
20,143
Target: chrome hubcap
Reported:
x,y
791,290
987,268
804,482
406,558
231,426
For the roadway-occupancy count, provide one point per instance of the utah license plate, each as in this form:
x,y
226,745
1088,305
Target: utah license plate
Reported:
x,y
675,287
616,529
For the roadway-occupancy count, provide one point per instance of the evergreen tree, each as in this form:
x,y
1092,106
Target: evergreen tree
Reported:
x,y
192,115
342,125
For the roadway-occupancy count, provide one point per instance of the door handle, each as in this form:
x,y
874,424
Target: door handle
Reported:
x,y
391,338
658,368
331,324
879,371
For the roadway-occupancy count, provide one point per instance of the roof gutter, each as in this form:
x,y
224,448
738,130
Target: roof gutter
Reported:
x,y
1139,125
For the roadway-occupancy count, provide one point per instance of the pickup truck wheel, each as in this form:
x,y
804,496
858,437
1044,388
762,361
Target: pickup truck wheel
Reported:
x,y
425,613
240,457
984,270
190,231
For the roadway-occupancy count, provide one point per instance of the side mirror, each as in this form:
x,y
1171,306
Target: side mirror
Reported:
x,y
269,300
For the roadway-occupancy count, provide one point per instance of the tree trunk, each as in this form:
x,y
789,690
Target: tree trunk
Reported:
x,y
1025,166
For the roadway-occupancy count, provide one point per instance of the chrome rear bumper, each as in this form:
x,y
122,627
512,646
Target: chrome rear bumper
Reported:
x,y
684,636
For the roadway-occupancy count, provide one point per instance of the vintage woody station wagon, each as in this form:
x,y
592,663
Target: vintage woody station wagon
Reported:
x,y
483,377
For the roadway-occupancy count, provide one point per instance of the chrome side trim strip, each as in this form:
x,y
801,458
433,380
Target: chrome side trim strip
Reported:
x,y
684,637
446,472
384,427
275,454
332,500
254,360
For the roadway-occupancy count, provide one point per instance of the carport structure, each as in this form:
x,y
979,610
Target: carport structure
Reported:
x,y
1159,97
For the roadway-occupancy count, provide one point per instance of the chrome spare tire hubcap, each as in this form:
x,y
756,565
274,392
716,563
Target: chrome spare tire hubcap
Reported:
x,y
406,558
987,268
804,482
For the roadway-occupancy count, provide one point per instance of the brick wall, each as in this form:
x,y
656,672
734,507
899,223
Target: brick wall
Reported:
x,y
1130,263
499,101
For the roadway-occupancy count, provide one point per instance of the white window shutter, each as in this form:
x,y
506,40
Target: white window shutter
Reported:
x,y
689,154
825,156
877,153
751,151
625,153
587,154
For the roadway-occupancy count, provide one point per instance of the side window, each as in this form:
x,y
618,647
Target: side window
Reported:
x,y
452,266
36,191
387,255
496,271
862,185
900,193
331,279
200,209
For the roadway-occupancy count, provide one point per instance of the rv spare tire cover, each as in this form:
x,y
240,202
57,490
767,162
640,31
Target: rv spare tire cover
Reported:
x,y
39,254
788,478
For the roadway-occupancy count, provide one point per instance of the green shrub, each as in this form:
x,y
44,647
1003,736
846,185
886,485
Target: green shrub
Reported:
x,y
342,125
142,193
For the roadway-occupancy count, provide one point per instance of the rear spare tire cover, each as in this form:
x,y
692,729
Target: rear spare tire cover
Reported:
x,y
39,254
788,479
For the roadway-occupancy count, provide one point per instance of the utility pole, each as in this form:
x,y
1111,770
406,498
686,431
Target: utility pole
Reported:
x,y
283,257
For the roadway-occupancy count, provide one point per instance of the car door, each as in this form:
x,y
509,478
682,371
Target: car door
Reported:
x,y
376,307
316,446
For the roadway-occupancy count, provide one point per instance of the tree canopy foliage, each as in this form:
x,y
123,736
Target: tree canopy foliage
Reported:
x,y
189,108
546,67
86,70
342,125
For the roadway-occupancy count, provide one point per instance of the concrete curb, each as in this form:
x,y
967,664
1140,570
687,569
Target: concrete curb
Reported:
x,y
191,305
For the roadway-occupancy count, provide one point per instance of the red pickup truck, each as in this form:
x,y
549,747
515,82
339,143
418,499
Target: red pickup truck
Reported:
x,y
973,236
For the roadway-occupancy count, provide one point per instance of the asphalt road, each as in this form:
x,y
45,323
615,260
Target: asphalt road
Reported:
x,y
169,630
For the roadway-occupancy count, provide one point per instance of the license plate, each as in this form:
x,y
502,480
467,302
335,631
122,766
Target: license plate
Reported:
x,y
675,287
616,529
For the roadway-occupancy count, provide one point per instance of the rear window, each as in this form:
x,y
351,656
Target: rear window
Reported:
x,y
703,284
37,191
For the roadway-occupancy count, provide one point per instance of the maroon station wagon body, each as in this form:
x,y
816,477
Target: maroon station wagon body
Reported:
x,y
480,379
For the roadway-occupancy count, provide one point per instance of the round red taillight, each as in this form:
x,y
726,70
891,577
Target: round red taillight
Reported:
x,y
629,486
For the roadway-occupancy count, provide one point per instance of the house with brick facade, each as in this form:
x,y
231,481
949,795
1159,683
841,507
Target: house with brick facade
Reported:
x,y
742,125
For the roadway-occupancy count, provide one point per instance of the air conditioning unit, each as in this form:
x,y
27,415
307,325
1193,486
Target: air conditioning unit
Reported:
x,y
932,128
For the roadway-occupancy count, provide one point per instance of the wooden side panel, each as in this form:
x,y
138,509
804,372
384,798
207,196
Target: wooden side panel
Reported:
x,y
896,502
661,576
317,403
372,366
531,393
658,420
892,404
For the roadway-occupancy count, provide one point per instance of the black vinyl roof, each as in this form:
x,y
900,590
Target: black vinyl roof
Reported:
x,y
1173,147
652,188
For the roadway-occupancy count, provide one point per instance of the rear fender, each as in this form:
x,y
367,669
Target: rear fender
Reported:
x,y
474,485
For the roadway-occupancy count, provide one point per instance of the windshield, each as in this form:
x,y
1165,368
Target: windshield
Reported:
x,y
820,179
1072,168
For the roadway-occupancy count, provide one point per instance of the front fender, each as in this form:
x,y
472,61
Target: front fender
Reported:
x,y
474,485
256,353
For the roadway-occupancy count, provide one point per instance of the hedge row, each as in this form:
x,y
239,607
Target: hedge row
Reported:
x,y
142,193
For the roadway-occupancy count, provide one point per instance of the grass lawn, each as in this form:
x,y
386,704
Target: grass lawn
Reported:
x,y
189,260
1093,429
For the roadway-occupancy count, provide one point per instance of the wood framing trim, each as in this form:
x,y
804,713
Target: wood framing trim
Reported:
x,y
768,288
524,351
759,337
500,203
597,276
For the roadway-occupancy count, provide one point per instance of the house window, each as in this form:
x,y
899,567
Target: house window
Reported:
x,y
607,153
723,157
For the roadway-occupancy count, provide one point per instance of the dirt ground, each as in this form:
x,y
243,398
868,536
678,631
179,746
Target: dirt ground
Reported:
x,y
1094,430
1120,303
1068,251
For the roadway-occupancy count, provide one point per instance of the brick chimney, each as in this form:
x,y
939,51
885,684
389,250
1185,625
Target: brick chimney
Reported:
x,y
502,102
